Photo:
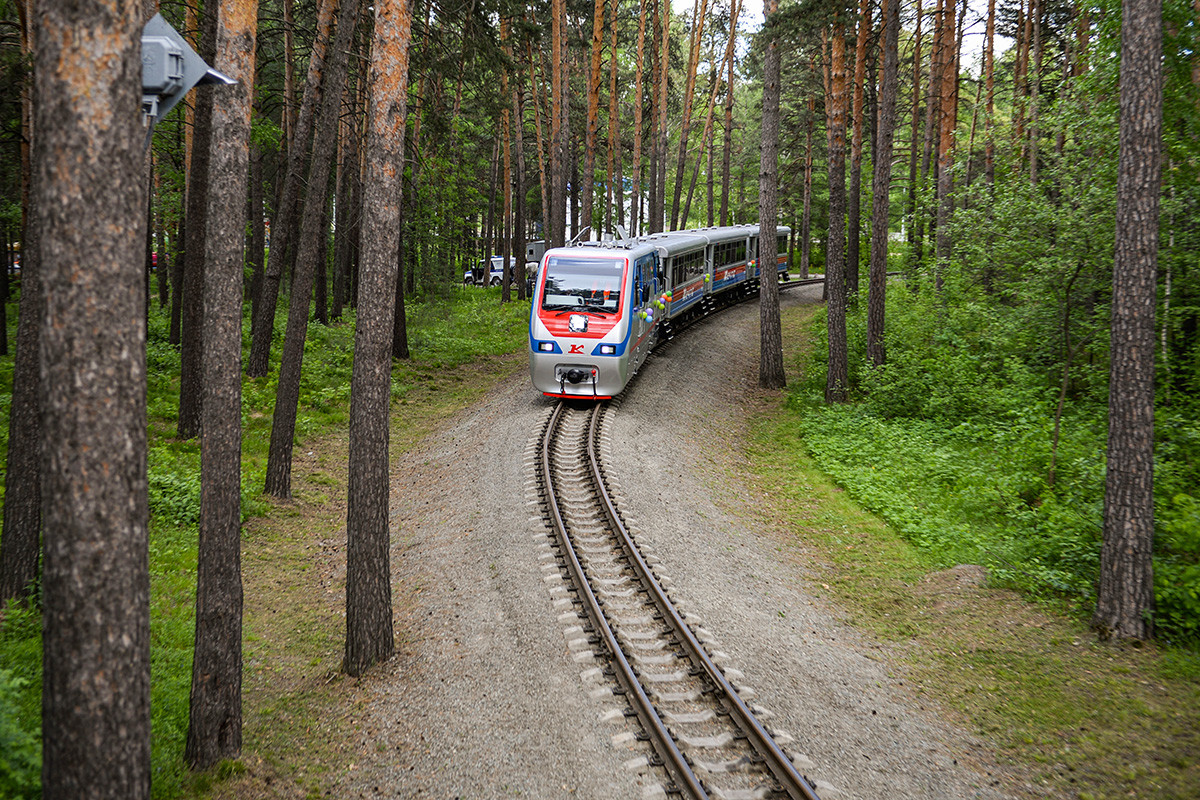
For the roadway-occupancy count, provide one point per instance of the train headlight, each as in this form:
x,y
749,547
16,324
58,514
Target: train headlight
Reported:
x,y
546,347
608,349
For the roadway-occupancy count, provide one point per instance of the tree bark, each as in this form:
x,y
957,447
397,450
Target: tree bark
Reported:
x,y
287,395
191,339
913,240
613,181
1126,593
699,16
163,268
658,214
727,140
558,128
881,188
854,224
989,75
593,116
635,204
947,122
806,215
770,360
257,246
838,375
215,722
369,634
91,201
518,104
507,188
20,538
263,326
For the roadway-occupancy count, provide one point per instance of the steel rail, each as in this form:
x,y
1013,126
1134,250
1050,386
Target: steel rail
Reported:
x,y
661,738
780,765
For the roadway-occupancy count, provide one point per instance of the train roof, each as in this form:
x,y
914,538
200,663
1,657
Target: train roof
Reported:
x,y
674,242
605,249
666,242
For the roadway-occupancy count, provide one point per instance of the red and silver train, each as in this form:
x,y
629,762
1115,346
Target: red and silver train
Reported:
x,y
599,308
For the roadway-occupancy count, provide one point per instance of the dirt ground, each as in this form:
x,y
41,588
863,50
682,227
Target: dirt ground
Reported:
x,y
486,699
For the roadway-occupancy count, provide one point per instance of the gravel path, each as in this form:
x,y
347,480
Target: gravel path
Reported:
x,y
485,697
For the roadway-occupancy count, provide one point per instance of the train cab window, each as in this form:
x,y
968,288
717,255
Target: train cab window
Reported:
x,y
593,284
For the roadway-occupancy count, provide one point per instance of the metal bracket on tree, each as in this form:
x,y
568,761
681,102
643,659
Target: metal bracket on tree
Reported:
x,y
170,69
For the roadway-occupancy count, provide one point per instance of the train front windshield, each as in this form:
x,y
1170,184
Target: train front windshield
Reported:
x,y
592,284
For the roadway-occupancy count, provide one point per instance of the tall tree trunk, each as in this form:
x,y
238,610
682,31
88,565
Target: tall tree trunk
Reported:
x,y
1035,90
558,128
659,213
838,375
163,267
881,188
613,181
518,103
321,263
854,224
20,537
635,203
948,120
770,357
806,217
535,90
369,634
913,240
191,378
347,173
287,395
257,244
706,136
699,15
1126,595
289,78
263,326
1021,80
593,116
655,89
932,105
989,75
506,191
215,721
91,202
727,140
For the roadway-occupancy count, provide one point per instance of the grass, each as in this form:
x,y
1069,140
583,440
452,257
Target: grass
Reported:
x,y
1065,712
297,706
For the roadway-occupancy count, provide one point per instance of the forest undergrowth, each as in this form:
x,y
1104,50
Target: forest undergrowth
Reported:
x,y
449,335
953,442
948,544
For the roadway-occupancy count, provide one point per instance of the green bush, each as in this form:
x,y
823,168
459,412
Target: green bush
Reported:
x,y
20,703
20,748
953,439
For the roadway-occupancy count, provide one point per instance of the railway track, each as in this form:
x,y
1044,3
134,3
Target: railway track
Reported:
x,y
703,734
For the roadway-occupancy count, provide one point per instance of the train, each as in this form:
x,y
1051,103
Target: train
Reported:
x,y
599,308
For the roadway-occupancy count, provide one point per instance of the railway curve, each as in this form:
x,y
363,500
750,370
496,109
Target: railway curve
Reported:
x,y
703,734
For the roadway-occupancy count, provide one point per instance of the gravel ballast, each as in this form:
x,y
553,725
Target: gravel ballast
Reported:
x,y
490,694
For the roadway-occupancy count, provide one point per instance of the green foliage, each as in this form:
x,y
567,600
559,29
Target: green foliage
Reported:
x,y
1177,569
953,439
20,749
446,335
20,704
446,332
